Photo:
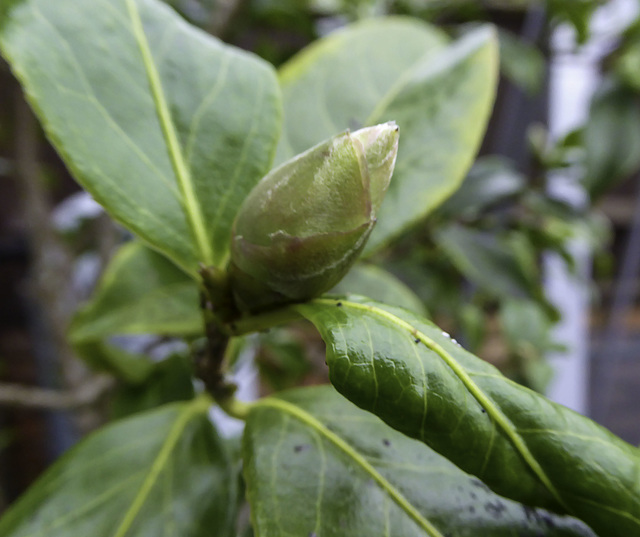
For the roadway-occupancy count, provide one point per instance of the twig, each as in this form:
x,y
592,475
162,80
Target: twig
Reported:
x,y
17,395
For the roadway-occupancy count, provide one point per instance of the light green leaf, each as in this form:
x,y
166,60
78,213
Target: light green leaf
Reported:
x,y
140,292
408,372
161,473
315,464
335,83
165,126
374,282
396,69
442,108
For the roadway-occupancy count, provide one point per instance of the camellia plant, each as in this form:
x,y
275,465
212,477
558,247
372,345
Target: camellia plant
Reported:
x,y
175,134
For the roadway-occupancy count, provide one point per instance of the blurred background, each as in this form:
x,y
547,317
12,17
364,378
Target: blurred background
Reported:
x,y
533,264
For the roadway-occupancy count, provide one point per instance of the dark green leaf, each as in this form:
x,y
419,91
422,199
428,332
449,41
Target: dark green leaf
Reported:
x,y
170,381
167,127
315,464
522,62
484,260
527,331
396,69
128,366
162,473
491,180
611,139
525,447
369,280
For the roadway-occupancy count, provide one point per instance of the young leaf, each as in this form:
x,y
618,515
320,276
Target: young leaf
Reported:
x,y
401,70
525,447
141,292
161,473
164,125
315,464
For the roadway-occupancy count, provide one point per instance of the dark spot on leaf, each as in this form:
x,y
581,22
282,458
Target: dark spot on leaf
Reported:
x,y
301,447
417,340
339,304
495,509
472,509
483,410
548,521
386,442
473,496
479,484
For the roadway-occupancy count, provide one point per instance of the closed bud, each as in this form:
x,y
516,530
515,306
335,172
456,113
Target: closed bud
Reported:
x,y
306,222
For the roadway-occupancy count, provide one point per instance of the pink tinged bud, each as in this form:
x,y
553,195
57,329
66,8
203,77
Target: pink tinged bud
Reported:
x,y
303,226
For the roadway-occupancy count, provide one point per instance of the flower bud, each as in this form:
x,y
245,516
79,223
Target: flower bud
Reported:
x,y
306,222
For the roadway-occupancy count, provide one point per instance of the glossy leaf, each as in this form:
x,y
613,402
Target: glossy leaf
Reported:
x,y
140,292
164,125
525,447
374,282
401,70
161,473
315,464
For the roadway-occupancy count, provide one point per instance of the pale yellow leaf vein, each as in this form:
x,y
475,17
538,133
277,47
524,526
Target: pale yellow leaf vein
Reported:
x,y
487,403
189,200
309,420
198,407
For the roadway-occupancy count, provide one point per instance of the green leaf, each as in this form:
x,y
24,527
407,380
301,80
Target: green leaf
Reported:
x,y
396,69
369,280
611,139
131,367
526,328
171,380
161,473
165,126
525,447
491,180
140,292
522,62
484,260
315,464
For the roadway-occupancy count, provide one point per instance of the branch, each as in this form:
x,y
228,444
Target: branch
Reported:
x,y
17,395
